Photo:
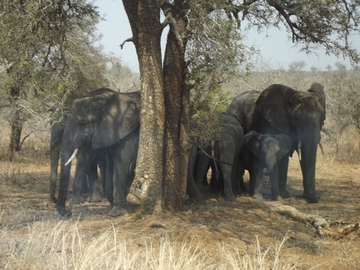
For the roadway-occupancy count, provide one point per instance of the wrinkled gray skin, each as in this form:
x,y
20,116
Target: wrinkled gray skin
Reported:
x,y
298,114
86,176
259,156
225,148
121,158
110,121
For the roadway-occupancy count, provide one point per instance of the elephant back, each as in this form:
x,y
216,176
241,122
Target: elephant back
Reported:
x,y
243,107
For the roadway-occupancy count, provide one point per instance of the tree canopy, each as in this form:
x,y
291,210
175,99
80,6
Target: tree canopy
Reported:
x,y
48,56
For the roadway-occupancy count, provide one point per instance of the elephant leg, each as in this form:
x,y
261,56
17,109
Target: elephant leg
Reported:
x,y
92,177
101,161
217,178
257,180
131,176
54,161
235,177
108,180
308,168
252,182
227,175
192,189
201,168
274,181
124,154
283,165
80,176
119,191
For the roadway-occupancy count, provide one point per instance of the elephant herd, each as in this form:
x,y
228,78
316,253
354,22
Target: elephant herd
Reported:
x,y
258,132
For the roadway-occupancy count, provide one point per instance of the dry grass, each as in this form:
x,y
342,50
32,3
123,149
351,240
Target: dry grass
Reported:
x,y
67,245
213,234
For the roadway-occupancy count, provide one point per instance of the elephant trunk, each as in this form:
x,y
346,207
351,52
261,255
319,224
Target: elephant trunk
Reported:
x,y
269,163
269,152
308,167
63,184
67,149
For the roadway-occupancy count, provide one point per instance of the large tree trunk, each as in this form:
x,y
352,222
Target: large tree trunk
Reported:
x,y
146,189
176,145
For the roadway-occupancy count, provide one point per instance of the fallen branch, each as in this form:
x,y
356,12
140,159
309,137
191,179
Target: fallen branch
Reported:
x,y
320,224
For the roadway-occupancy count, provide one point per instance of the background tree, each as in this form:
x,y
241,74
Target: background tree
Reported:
x,y
120,77
297,66
160,176
46,50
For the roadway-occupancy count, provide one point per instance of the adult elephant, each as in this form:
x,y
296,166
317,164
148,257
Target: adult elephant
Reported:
x,y
86,175
225,152
298,114
259,156
108,120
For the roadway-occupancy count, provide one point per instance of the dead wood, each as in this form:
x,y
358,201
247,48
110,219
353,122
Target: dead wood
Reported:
x,y
321,225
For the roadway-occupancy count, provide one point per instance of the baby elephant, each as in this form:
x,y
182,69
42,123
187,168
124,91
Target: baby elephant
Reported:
x,y
260,155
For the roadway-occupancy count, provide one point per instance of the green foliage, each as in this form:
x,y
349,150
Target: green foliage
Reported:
x,y
205,108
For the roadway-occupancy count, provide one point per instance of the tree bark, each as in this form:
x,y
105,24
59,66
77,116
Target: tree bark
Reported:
x,y
147,190
16,123
176,150
15,135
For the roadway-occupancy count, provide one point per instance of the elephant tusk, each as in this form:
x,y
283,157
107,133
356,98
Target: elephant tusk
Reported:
x,y
299,150
72,157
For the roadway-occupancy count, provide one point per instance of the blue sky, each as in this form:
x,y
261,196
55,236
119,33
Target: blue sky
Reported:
x,y
274,46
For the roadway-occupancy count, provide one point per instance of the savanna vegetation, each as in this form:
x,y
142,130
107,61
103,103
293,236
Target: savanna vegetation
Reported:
x,y
45,48
214,234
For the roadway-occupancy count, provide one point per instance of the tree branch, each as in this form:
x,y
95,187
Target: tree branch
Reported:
x,y
321,225
22,141
170,20
127,40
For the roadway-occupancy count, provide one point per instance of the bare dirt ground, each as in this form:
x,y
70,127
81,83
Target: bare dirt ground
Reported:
x,y
25,203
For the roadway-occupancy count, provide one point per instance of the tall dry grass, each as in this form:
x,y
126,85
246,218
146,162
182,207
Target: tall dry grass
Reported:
x,y
68,246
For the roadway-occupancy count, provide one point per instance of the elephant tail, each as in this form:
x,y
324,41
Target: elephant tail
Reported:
x,y
212,156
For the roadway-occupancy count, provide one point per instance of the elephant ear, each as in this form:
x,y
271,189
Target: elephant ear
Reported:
x,y
273,104
285,144
252,141
318,90
118,118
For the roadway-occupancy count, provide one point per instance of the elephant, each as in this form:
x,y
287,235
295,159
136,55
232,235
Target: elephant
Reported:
x,y
107,120
225,152
259,156
86,166
298,114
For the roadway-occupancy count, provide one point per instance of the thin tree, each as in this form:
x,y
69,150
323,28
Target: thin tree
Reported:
x,y
33,51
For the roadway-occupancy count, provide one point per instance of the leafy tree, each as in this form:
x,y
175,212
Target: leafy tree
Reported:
x,y
339,66
297,66
160,180
36,40
121,77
